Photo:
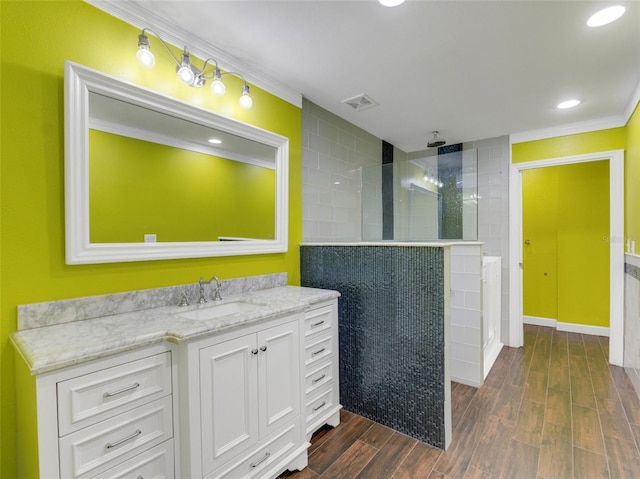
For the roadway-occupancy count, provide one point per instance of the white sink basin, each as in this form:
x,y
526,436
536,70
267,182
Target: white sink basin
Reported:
x,y
217,310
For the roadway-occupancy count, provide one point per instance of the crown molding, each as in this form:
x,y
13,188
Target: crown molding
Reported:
x,y
135,15
631,107
569,129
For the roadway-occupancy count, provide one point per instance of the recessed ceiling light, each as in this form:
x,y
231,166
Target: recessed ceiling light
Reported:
x,y
215,141
391,3
568,104
605,16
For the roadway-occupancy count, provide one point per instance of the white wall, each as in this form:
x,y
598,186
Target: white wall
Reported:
x,y
493,209
467,365
632,320
333,151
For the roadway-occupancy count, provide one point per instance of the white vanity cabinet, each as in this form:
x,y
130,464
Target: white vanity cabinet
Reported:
x,y
244,402
108,418
321,386
239,402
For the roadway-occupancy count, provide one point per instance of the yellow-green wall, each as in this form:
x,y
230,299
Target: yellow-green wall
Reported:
x,y
569,145
632,179
565,211
36,38
540,250
139,187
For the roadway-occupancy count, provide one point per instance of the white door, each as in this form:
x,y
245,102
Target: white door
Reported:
x,y
279,376
229,400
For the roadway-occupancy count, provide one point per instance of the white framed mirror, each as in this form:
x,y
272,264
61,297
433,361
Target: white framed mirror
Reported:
x,y
143,181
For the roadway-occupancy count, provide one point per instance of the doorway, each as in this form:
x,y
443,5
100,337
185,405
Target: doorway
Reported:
x,y
615,159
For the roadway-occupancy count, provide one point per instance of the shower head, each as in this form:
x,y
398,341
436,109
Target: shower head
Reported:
x,y
436,141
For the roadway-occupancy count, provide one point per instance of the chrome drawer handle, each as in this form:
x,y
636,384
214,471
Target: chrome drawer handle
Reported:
x,y
123,390
321,350
319,379
324,403
256,464
319,323
139,477
263,348
254,351
111,445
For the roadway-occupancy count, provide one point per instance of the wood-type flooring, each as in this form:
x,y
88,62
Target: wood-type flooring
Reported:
x,y
554,409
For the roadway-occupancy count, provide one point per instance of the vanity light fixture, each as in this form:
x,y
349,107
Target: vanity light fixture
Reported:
x,y
568,104
606,16
434,181
214,141
187,72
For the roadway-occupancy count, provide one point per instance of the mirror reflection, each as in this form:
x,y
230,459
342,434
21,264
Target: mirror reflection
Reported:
x,y
166,179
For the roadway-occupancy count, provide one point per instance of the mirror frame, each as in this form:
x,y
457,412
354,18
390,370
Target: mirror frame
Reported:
x,y
79,81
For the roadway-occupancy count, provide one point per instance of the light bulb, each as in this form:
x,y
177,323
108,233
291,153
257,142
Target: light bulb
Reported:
x,y
217,87
144,55
245,98
185,73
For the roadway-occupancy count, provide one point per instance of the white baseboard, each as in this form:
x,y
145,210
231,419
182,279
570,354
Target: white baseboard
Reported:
x,y
466,382
569,327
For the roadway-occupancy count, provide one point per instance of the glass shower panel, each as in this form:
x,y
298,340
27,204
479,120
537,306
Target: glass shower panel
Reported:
x,y
433,198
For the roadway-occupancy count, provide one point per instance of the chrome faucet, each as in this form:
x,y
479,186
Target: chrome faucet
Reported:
x,y
201,299
216,290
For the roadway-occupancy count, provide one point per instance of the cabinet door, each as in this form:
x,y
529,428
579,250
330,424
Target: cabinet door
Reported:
x,y
229,400
279,376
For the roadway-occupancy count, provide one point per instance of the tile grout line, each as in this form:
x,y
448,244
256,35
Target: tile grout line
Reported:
x,y
604,443
522,398
546,399
573,459
624,410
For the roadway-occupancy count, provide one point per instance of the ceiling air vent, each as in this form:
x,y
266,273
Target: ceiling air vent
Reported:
x,y
360,102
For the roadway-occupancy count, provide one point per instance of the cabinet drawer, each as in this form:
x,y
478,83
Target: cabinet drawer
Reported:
x,y
318,320
318,350
94,397
318,377
95,449
260,460
320,405
156,463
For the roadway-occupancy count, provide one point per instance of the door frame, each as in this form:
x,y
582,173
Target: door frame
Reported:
x,y
616,245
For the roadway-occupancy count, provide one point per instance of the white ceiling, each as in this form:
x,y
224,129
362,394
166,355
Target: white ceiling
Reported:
x,y
470,69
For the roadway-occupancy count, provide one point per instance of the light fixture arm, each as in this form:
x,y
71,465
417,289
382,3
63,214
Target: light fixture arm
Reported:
x,y
187,72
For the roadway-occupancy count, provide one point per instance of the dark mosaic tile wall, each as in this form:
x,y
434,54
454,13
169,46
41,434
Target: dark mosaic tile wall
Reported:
x,y
450,173
391,326
632,270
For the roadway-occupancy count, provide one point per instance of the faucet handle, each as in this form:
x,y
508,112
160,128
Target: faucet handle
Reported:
x,y
216,289
183,300
201,299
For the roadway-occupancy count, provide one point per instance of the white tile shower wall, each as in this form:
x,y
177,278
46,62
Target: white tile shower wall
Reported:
x,y
333,152
466,314
632,320
469,188
493,209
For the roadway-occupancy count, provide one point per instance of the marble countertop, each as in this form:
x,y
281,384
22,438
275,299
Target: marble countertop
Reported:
x,y
53,347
